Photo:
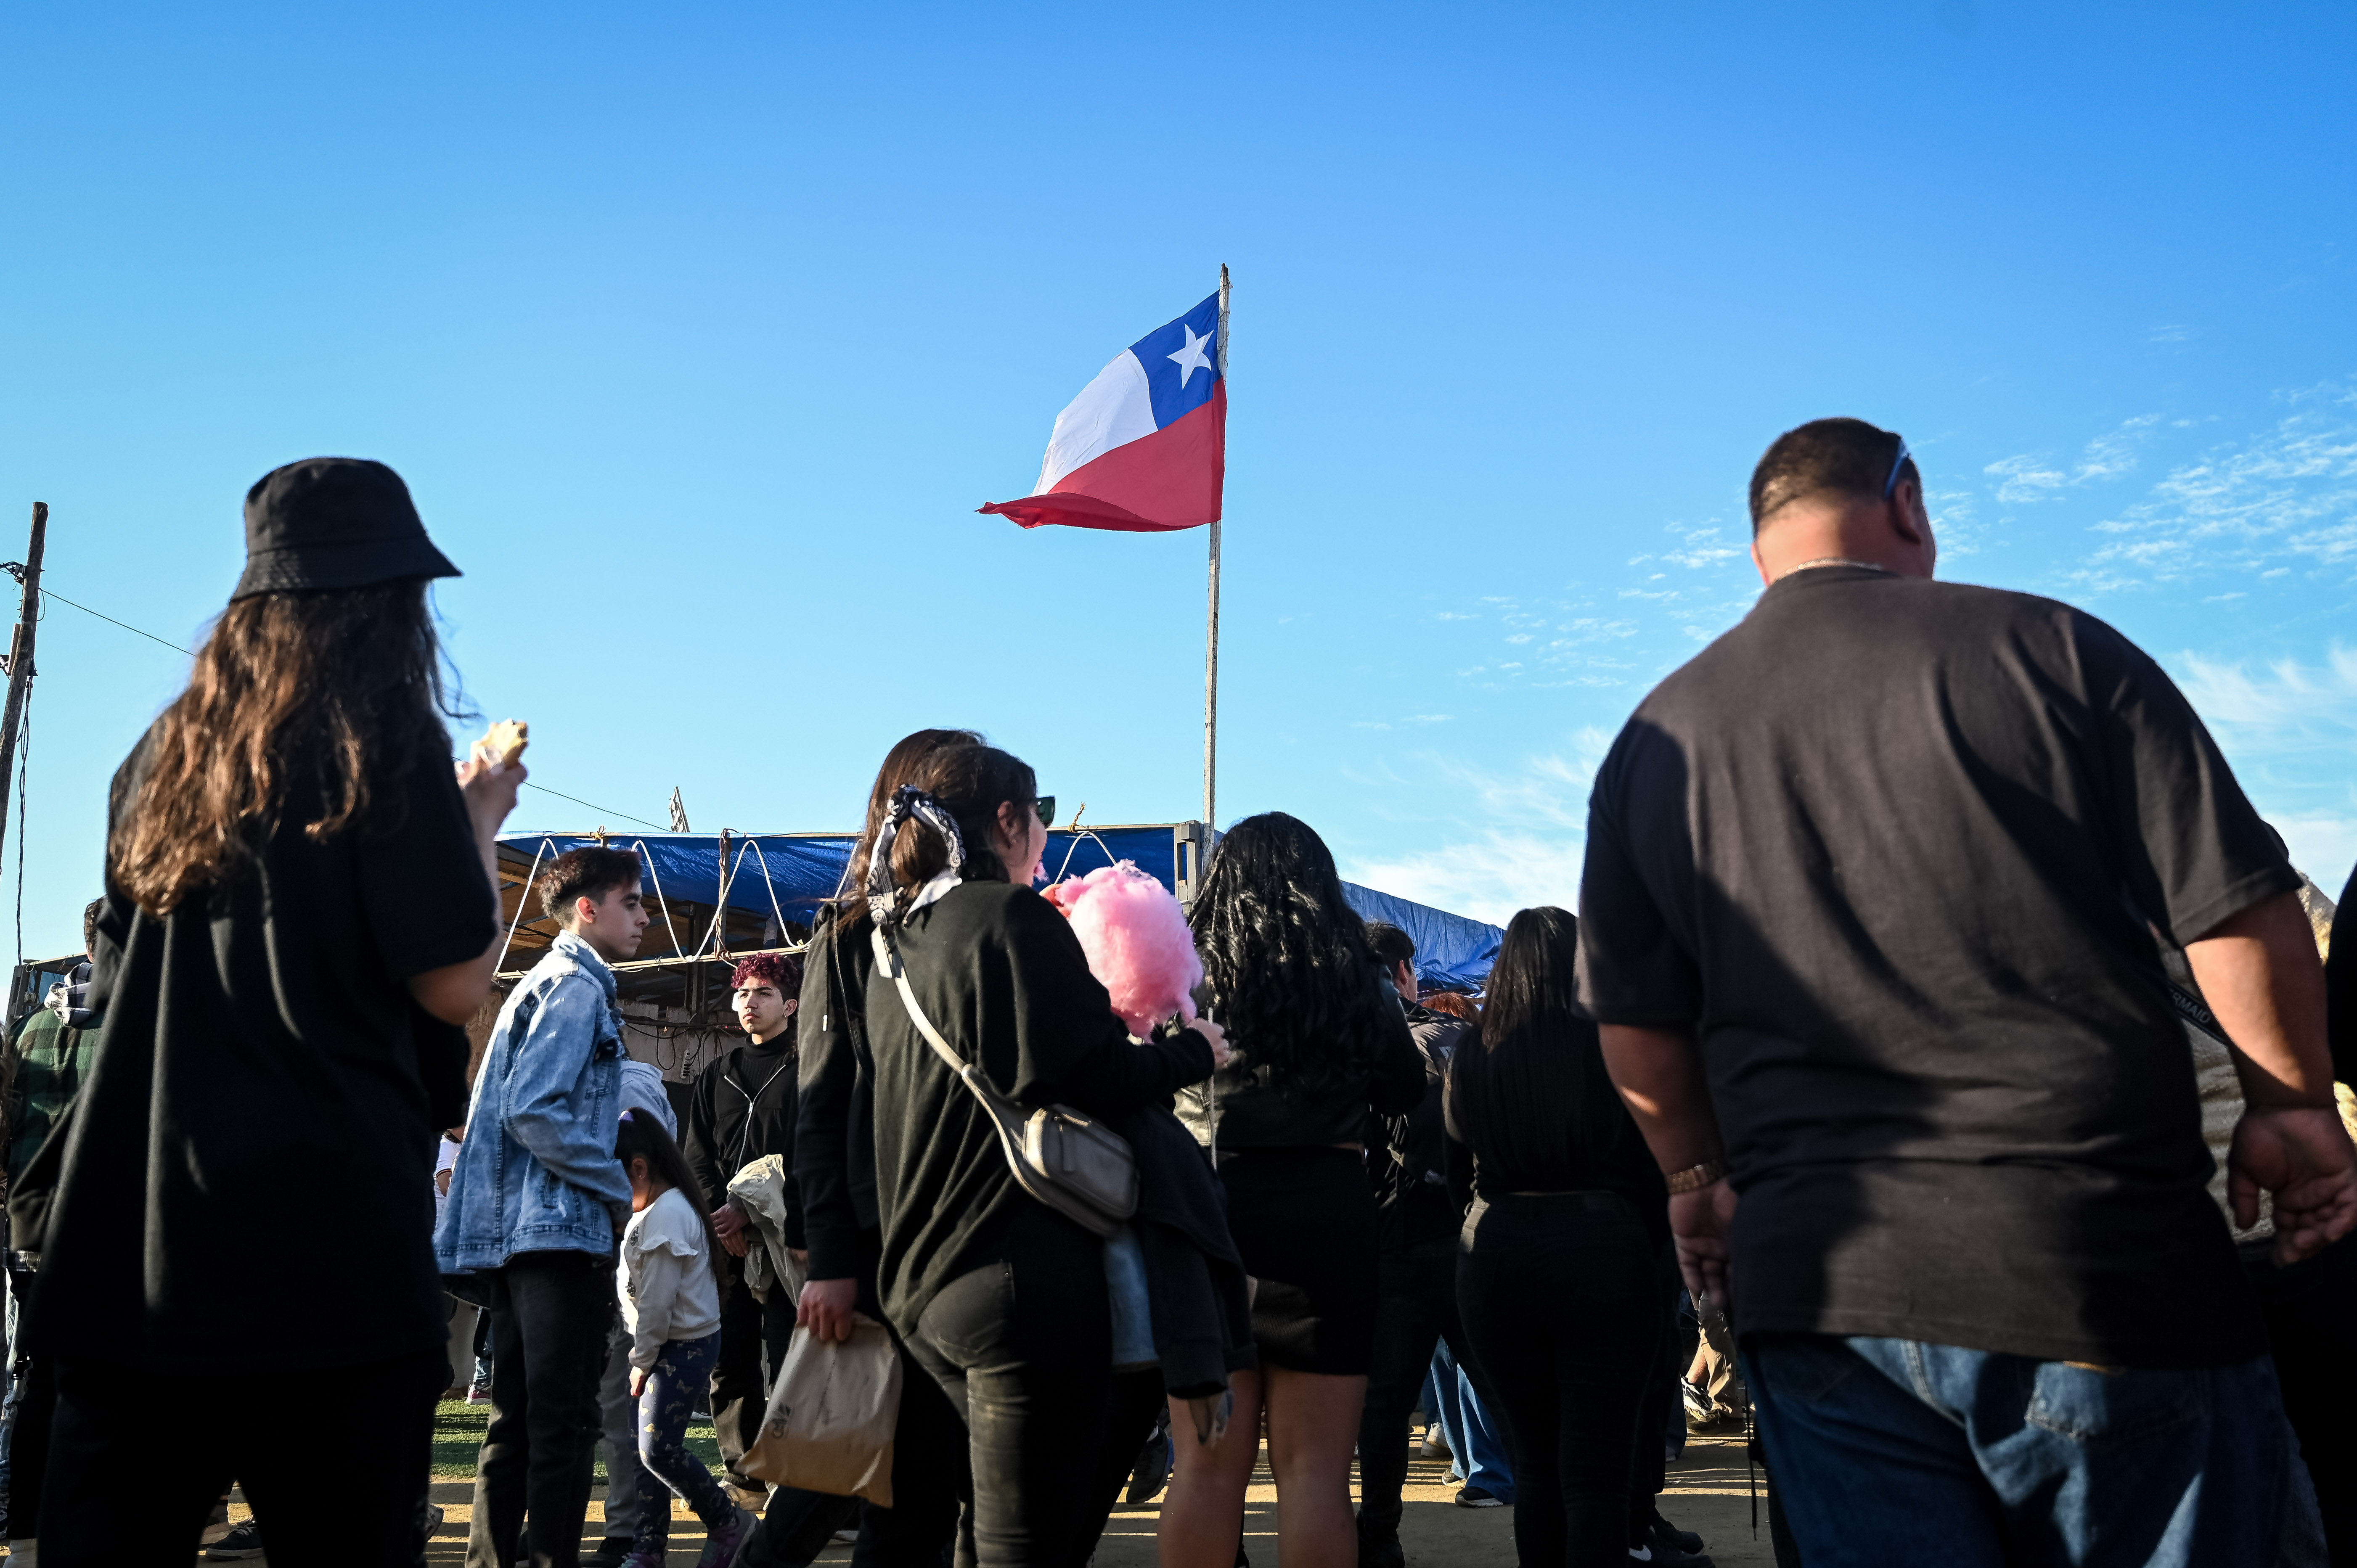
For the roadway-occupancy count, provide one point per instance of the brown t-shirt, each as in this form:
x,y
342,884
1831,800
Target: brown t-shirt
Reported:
x,y
1889,845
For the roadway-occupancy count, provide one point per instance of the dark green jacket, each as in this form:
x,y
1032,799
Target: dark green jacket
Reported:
x,y
45,1064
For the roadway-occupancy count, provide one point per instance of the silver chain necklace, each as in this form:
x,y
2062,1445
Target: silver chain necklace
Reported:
x,y
1831,561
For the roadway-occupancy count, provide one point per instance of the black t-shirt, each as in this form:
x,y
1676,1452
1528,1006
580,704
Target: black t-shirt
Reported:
x,y
249,1173
1004,980
1496,1161
1885,843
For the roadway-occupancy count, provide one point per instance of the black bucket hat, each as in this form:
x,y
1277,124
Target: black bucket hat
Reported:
x,y
333,522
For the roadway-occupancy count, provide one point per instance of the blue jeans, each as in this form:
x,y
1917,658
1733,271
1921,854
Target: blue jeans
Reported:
x,y
2007,1462
619,1414
1477,1445
681,1376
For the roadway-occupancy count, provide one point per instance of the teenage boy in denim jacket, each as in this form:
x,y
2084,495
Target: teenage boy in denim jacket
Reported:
x,y
537,1201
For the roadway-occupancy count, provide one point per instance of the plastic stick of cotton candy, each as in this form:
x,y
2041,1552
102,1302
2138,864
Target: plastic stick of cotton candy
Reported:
x,y
1137,943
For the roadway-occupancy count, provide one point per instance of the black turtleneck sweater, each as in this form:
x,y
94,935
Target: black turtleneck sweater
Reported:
x,y
741,1107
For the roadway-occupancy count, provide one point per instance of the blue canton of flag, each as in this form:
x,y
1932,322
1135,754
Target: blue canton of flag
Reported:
x,y
1181,362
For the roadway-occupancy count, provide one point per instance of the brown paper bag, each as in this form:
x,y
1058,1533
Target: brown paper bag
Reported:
x,y
829,1425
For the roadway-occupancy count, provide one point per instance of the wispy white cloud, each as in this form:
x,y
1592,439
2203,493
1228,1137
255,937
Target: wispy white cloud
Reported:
x,y
1955,522
1546,787
2322,843
1488,878
2290,491
1518,837
2031,477
1703,548
2288,729
2286,704
2109,456
2025,478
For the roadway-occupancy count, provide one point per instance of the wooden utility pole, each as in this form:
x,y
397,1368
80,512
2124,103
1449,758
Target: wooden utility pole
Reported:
x,y
20,656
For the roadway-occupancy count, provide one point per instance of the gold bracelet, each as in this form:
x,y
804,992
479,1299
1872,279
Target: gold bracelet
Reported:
x,y
1694,1178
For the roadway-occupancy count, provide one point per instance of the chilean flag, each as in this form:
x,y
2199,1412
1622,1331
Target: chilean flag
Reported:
x,y
1143,448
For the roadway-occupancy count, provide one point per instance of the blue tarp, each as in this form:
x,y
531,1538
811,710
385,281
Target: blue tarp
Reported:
x,y
1451,951
802,869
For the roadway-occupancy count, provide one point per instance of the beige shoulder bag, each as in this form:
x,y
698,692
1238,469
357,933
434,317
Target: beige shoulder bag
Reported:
x,y
1060,1156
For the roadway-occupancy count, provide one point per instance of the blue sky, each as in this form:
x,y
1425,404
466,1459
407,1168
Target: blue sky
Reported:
x,y
699,333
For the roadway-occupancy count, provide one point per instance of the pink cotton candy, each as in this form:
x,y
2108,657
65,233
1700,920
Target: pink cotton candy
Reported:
x,y
1137,942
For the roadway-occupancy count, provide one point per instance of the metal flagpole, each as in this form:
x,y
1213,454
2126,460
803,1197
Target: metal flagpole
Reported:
x,y
1212,626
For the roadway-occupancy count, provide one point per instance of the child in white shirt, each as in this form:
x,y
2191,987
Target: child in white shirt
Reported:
x,y
671,1308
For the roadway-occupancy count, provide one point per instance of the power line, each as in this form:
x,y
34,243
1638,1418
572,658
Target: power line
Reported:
x,y
595,807
47,592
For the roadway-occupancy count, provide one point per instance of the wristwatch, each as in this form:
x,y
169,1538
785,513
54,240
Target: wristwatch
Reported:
x,y
1694,1178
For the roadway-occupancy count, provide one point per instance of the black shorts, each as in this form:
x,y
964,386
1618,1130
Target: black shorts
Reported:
x,y
1303,1221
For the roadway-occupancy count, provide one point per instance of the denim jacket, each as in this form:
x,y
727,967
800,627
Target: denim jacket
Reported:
x,y
537,1169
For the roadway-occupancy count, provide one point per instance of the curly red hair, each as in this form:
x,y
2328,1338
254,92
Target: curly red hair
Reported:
x,y
781,969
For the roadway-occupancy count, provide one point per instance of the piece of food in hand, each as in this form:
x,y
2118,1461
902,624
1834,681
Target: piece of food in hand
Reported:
x,y
507,740
1136,940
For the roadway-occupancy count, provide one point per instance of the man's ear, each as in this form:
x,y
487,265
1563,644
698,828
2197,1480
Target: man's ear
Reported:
x,y
1908,515
793,1003
585,911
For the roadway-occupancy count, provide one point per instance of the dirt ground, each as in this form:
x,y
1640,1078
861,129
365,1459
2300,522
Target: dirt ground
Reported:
x,y
1709,1493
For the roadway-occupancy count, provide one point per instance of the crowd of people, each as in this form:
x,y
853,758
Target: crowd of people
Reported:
x,y
1941,1069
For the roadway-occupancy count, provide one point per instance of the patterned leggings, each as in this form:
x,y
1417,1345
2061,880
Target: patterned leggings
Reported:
x,y
682,1371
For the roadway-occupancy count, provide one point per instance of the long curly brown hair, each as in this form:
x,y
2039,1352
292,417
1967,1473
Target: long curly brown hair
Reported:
x,y
345,686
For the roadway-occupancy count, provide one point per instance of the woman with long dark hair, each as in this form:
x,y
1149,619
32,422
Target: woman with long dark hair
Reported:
x,y
299,912
1000,1298
835,1156
1319,1039
1558,1265
835,1164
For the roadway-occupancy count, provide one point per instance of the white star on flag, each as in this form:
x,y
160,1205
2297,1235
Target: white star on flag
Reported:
x,y
1193,357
